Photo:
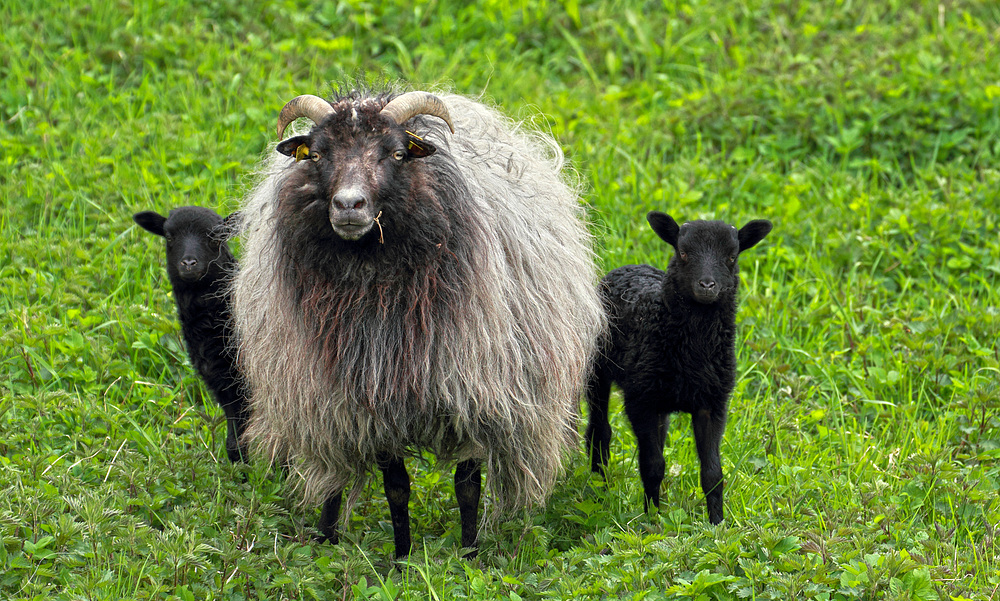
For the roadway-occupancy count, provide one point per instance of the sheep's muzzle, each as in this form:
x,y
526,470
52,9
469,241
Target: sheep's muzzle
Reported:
x,y
351,214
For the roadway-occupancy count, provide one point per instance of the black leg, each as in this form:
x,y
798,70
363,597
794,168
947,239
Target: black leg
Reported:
x,y
598,434
650,432
664,427
468,487
236,425
397,491
651,464
708,428
328,519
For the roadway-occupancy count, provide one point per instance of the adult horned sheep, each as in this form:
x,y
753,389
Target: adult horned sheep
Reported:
x,y
405,288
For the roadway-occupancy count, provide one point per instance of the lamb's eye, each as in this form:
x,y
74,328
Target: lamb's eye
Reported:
x,y
314,156
684,256
732,259
399,155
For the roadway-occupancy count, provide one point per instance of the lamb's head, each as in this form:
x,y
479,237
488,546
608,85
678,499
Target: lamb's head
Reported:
x,y
705,266
196,241
358,157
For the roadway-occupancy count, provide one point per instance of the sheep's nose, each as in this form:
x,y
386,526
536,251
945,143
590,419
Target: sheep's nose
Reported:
x,y
707,284
348,200
189,263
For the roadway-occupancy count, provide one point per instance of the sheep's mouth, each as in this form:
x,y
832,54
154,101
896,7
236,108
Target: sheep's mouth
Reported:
x,y
352,229
706,296
190,275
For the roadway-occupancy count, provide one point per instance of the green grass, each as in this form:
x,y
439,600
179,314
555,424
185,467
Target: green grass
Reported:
x,y
863,449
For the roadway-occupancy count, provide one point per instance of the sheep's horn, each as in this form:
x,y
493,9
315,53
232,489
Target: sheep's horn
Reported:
x,y
307,105
407,106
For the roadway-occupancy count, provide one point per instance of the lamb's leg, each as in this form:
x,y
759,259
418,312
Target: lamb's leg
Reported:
x,y
664,427
396,482
232,399
598,434
328,519
649,437
468,486
708,428
236,425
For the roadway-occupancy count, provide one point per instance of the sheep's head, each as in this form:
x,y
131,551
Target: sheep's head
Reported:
x,y
358,154
196,241
705,265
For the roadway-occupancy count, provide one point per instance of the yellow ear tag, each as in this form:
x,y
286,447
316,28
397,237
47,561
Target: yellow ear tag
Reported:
x,y
301,153
412,144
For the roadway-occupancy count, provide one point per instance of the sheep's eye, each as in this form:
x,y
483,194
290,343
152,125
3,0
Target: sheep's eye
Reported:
x,y
399,155
314,156
684,256
732,259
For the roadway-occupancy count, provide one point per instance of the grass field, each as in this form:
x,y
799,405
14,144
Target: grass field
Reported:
x,y
862,454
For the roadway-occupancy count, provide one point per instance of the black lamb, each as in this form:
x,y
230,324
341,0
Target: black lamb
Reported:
x,y
671,347
200,264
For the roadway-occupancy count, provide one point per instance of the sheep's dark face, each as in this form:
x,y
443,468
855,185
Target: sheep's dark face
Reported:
x,y
196,242
350,168
705,266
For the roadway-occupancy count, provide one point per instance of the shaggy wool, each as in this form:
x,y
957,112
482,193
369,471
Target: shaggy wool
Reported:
x,y
467,332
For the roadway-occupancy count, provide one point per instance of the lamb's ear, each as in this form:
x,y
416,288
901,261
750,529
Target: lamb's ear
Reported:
x,y
664,226
290,146
151,221
228,227
753,232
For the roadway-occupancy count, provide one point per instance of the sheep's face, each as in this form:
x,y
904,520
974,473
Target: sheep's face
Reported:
x,y
705,266
350,168
196,244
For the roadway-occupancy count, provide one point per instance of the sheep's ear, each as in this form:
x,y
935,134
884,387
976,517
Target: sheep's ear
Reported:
x,y
290,146
753,232
418,147
664,226
151,221
228,227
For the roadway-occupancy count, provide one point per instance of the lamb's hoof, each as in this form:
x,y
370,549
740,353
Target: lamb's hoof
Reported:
x,y
237,454
321,538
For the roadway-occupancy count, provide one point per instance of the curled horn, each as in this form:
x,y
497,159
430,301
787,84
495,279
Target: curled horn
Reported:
x,y
407,106
307,105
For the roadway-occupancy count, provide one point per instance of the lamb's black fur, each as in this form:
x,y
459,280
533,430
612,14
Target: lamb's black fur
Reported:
x,y
671,347
199,264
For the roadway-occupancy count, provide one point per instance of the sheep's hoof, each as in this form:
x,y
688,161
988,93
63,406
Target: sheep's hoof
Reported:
x,y
321,538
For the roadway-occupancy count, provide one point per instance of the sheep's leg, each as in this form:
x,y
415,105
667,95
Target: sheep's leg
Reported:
x,y
664,427
468,487
649,438
396,482
598,434
232,399
236,425
708,428
328,519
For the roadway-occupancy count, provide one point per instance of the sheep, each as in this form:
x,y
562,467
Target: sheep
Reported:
x,y
670,347
199,264
407,289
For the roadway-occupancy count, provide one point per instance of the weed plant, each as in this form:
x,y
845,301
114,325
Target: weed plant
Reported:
x,y
863,451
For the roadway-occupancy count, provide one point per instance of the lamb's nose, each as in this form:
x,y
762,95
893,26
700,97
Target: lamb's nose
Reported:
x,y
189,263
707,284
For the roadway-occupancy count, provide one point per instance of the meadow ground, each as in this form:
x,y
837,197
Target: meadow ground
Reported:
x,y
863,450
